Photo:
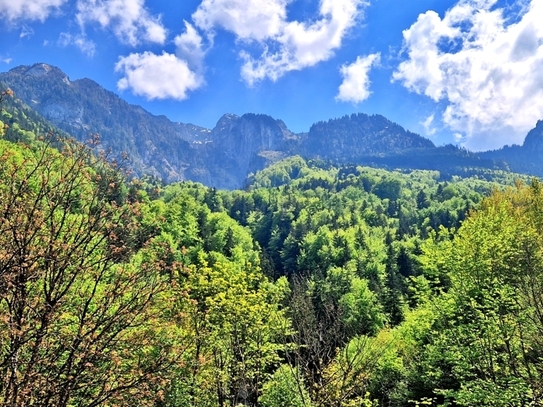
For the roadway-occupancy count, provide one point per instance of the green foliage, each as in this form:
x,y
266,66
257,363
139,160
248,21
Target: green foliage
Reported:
x,y
486,333
361,311
81,313
281,173
286,388
317,286
233,318
360,371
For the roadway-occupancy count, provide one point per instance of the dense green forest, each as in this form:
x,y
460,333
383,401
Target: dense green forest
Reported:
x,y
317,285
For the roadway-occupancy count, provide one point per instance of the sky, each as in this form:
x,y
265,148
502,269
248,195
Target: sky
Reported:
x,y
466,72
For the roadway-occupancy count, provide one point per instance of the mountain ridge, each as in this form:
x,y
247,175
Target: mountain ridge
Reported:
x,y
223,157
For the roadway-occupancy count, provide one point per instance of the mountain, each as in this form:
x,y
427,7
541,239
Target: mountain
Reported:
x,y
155,145
527,158
238,146
359,135
223,157
83,108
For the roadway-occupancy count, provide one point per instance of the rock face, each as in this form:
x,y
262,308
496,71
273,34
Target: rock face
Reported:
x,y
246,144
55,107
533,143
42,70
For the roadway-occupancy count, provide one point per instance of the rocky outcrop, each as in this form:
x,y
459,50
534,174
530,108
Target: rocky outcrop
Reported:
x,y
238,146
41,70
239,139
533,143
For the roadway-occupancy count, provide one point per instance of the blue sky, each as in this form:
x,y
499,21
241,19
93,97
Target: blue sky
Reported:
x,y
467,72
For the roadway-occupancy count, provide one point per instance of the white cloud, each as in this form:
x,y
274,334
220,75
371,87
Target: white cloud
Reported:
x,y
190,48
247,19
429,129
26,31
157,76
356,83
28,9
287,45
459,138
486,69
165,76
131,22
86,46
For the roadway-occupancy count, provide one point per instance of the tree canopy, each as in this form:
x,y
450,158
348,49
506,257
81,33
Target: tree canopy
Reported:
x,y
318,285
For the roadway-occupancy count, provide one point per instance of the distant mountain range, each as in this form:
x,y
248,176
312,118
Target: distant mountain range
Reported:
x,y
224,156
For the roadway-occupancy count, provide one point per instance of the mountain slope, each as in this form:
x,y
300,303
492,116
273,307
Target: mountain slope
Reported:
x,y
155,145
83,108
527,158
351,137
237,146
242,145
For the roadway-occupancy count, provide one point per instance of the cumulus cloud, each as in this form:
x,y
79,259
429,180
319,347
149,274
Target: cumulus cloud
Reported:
x,y
356,83
189,47
80,41
28,9
157,76
247,19
131,22
286,45
165,76
484,63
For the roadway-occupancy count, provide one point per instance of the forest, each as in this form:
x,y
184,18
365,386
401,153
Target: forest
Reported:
x,y
317,285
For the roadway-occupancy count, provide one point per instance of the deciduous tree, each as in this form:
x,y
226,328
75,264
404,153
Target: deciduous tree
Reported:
x,y
81,316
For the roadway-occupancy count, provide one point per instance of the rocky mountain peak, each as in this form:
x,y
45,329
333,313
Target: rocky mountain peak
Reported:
x,y
227,121
252,132
240,145
534,139
41,69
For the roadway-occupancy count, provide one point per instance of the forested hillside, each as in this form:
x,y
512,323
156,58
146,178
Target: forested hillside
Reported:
x,y
317,285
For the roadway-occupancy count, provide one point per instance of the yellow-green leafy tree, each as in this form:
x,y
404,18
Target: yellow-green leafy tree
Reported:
x,y
484,345
82,318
